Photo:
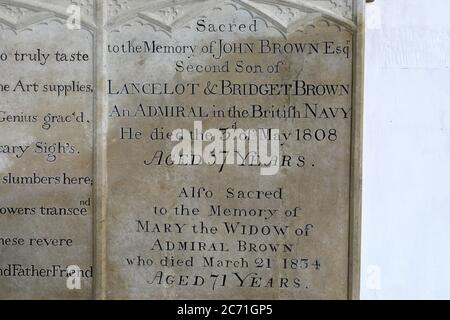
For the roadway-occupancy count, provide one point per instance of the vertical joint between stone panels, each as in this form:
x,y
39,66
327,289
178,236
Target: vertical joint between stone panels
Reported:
x,y
356,150
100,173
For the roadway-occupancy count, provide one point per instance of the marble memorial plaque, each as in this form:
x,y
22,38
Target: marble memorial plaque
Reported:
x,y
180,149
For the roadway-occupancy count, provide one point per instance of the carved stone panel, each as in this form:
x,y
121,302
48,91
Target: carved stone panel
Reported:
x,y
46,150
180,149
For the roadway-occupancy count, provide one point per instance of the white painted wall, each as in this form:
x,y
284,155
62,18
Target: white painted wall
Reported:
x,y
406,192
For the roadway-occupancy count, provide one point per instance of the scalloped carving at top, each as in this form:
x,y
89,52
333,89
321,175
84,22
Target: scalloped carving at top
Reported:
x,y
285,15
341,7
20,14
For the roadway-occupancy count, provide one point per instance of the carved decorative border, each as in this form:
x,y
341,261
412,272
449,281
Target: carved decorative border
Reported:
x,y
169,15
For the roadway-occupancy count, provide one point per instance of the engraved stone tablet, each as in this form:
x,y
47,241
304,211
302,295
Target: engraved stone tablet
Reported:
x,y
245,227
180,149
